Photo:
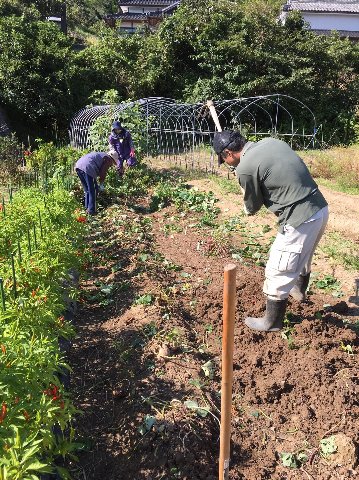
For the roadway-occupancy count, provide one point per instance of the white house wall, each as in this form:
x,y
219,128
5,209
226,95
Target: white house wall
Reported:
x,y
133,9
332,21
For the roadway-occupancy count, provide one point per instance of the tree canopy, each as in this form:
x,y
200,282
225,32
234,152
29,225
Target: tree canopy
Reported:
x,y
218,49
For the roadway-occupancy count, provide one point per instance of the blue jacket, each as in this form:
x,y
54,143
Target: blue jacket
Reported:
x,y
122,143
95,164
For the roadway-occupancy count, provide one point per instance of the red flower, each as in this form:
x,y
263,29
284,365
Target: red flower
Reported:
x,y
3,349
53,392
26,415
81,219
3,412
27,153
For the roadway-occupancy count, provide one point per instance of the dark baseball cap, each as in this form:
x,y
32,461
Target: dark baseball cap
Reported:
x,y
221,140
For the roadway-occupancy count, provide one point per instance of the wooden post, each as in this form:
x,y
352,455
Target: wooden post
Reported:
x,y
229,308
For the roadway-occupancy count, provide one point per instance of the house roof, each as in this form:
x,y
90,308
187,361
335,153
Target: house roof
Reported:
x,y
171,7
146,3
326,6
133,16
342,33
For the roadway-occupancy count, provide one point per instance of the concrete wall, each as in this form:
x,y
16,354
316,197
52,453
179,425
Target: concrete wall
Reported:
x,y
332,21
133,9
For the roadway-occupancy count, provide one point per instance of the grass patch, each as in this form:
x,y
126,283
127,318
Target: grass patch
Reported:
x,y
337,168
337,187
227,185
341,250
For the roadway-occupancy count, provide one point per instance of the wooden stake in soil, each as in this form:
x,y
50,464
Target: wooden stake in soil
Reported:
x,y
229,308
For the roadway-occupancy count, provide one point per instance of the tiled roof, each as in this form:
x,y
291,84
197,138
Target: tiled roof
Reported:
x,y
171,8
339,6
342,33
146,3
134,16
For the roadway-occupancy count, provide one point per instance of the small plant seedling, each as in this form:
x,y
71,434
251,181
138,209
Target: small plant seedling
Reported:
x,y
328,446
327,283
196,382
266,228
144,299
293,460
347,348
208,369
149,330
287,334
147,424
193,405
173,337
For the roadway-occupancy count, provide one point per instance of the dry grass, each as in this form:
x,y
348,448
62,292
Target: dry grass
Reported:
x,y
337,167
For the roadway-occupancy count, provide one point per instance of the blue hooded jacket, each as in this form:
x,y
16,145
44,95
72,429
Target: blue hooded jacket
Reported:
x,y
122,143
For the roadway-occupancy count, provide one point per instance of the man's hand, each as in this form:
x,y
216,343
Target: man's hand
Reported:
x,y
132,153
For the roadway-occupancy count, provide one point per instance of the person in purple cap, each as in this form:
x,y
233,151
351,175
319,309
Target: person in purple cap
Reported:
x,y
89,167
120,141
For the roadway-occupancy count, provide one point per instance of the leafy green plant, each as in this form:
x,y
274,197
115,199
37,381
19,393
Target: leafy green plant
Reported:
x,y
146,299
34,403
193,405
131,118
328,282
287,333
293,460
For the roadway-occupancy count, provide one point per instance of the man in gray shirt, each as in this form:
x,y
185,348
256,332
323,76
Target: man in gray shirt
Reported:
x,y
270,173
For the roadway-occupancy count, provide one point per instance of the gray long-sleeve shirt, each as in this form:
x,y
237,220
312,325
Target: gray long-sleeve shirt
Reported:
x,y
273,175
95,164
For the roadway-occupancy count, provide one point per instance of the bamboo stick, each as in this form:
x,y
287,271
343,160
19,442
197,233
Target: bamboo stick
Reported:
x,y
229,307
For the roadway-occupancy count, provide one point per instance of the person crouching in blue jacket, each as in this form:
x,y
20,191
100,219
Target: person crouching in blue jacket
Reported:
x,y
121,141
88,168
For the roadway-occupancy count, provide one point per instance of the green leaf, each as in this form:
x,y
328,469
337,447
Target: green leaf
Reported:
x,y
147,424
39,467
193,405
208,369
144,299
289,460
328,446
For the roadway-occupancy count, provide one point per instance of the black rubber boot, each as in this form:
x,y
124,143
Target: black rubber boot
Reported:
x,y
273,318
299,289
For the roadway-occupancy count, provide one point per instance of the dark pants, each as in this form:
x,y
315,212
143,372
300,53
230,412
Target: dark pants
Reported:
x,y
90,191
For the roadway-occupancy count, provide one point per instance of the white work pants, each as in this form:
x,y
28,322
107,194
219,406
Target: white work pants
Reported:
x,y
291,255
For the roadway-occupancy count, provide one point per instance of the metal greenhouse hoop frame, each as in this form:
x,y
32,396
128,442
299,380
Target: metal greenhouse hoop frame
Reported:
x,y
183,132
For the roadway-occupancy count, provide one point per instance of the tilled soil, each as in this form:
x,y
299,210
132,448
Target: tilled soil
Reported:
x,y
147,363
